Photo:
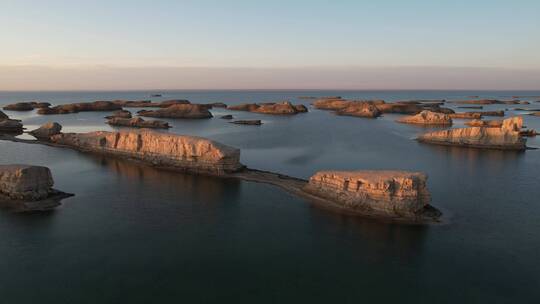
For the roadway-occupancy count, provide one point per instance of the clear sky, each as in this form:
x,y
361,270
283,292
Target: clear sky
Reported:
x,y
77,38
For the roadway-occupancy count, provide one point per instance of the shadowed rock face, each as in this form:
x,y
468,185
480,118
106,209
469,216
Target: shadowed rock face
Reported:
x,y
254,122
184,153
47,130
120,114
507,137
138,122
486,101
25,188
280,108
81,107
9,125
466,115
427,118
191,111
394,193
399,108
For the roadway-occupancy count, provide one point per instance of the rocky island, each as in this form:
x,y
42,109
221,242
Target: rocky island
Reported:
x,y
138,122
506,137
188,111
390,193
8,125
278,108
26,188
96,106
428,118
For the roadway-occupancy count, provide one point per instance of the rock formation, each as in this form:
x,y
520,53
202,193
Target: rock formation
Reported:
x,y
120,114
280,108
399,108
466,115
484,123
486,101
8,125
28,188
360,109
183,153
390,193
507,137
46,131
191,111
138,122
428,118
490,113
227,116
333,104
81,107
253,122
26,106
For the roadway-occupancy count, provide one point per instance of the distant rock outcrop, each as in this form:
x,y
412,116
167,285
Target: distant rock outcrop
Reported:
x,y
466,115
484,123
120,114
183,153
507,137
149,104
279,108
190,111
486,101
428,118
390,193
26,106
360,109
138,122
28,188
96,106
252,122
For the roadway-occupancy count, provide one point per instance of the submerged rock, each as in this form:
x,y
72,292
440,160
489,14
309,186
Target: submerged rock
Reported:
x,y
360,109
507,137
172,151
191,111
138,122
28,188
95,106
47,130
227,117
427,118
388,193
253,122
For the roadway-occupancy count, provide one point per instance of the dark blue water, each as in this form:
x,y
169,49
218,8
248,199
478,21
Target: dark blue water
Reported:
x,y
140,235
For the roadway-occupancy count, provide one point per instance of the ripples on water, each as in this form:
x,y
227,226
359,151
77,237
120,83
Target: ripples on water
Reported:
x,y
136,234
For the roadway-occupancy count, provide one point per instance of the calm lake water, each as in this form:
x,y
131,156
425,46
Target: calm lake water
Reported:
x,y
133,234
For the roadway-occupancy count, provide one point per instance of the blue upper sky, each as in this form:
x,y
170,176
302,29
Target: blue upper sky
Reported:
x,y
271,33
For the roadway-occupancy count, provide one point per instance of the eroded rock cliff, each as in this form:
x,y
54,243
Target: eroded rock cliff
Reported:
x,y
427,118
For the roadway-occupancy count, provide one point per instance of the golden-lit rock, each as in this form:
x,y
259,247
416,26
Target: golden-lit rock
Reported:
x,y
360,109
138,122
188,111
427,118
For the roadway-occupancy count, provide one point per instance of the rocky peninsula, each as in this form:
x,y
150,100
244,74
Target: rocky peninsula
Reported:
x,y
506,137
26,188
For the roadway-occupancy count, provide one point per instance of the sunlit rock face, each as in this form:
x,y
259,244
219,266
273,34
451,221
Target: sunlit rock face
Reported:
x,y
185,153
398,193
427,118
24,182
507,137
360,109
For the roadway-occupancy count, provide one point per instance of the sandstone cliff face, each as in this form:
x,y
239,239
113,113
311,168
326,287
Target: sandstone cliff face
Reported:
x,y
186,153
23,182
138,122
395,193
189,111
427,118
505,138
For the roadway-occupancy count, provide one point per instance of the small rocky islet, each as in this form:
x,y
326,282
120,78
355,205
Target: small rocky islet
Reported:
x,y
390,194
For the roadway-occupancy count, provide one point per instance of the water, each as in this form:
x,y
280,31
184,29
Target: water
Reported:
x,y
140,235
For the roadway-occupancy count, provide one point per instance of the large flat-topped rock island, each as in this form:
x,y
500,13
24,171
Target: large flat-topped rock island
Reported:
x,y
506,137
388,193
186,153
28,188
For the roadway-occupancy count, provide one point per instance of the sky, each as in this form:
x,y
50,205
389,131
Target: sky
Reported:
x,y
240,44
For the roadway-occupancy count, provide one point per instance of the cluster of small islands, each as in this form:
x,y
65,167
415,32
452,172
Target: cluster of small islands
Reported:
x,y
396,195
